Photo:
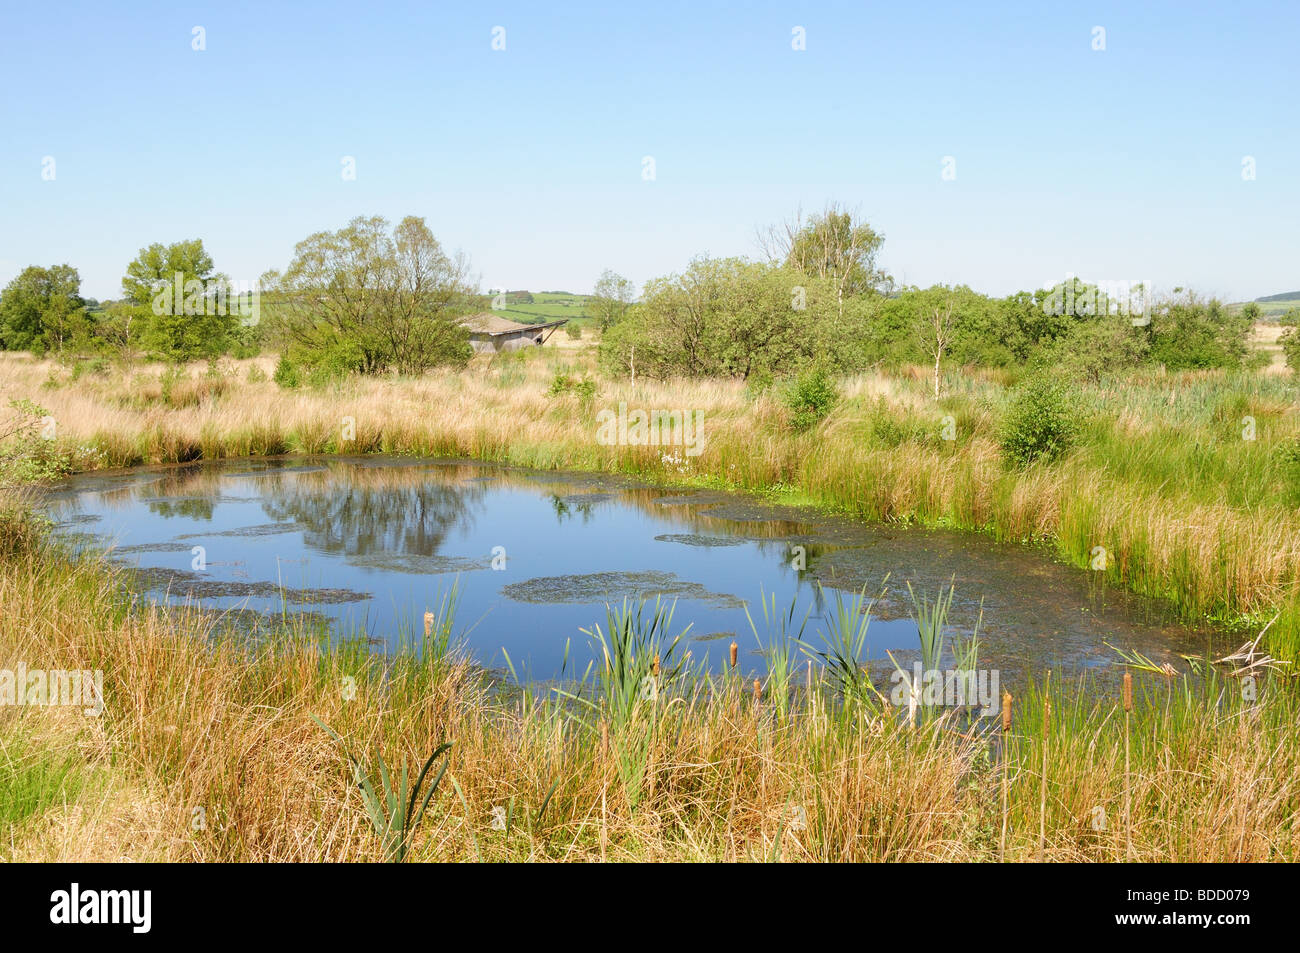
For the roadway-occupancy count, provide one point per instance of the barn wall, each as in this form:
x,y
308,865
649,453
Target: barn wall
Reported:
x,y
489,343
517,342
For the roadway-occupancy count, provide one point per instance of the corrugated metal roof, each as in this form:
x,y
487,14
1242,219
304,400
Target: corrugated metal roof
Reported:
x,y
488,323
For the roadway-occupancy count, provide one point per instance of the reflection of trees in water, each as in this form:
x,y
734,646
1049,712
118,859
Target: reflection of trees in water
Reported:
x,y
357,511
192,479
568,507
195,508
189,491
796,554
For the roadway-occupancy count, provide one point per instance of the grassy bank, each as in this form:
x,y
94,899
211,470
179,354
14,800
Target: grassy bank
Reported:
x,y
1162,477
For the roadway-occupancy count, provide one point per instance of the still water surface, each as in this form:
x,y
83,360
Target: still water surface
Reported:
x,y
368,544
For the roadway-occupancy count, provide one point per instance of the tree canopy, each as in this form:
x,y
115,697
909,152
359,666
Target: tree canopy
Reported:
x,y
179,302
42,309
370,298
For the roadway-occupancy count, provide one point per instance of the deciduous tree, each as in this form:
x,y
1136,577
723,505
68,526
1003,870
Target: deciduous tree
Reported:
x,y
368,300
42,309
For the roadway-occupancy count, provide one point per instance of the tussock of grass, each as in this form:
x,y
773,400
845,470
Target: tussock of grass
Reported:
x,y
34,777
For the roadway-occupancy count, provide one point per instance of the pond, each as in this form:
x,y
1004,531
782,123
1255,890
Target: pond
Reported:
x,y
367,545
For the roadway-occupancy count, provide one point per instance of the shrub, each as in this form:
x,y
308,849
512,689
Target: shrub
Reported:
x,y
246,341
810,397
28,453
167,380
724,318
325,373
95,365
1041,422
1189,333
574,331
286,373
1093,347
561,383
888,431
1290,341
1287,454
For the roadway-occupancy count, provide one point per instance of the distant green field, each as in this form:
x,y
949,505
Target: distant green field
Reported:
x,y
1273,306
1276,307
545,306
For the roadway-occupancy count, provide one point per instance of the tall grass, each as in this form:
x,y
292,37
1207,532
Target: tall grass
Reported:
x,y
779,643
390,800
843,649
199,718
35,777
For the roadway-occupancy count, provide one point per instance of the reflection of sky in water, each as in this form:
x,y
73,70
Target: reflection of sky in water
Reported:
x,y
403,531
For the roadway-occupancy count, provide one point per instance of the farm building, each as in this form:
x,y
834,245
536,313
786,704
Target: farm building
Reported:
x,y
489,333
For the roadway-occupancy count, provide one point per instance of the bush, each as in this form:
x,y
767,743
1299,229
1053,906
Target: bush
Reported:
x,y
888,431
562,383
28,452
1287,455
574,331
810,398
286,373
95,365
1290,341
321,367
325,373
1191,334
246,341
1041,422
1094,347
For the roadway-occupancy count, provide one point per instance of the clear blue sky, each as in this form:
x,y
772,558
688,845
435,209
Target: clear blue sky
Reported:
x,y
1119,164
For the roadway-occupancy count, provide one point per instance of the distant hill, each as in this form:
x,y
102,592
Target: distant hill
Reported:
x,y
1272,307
